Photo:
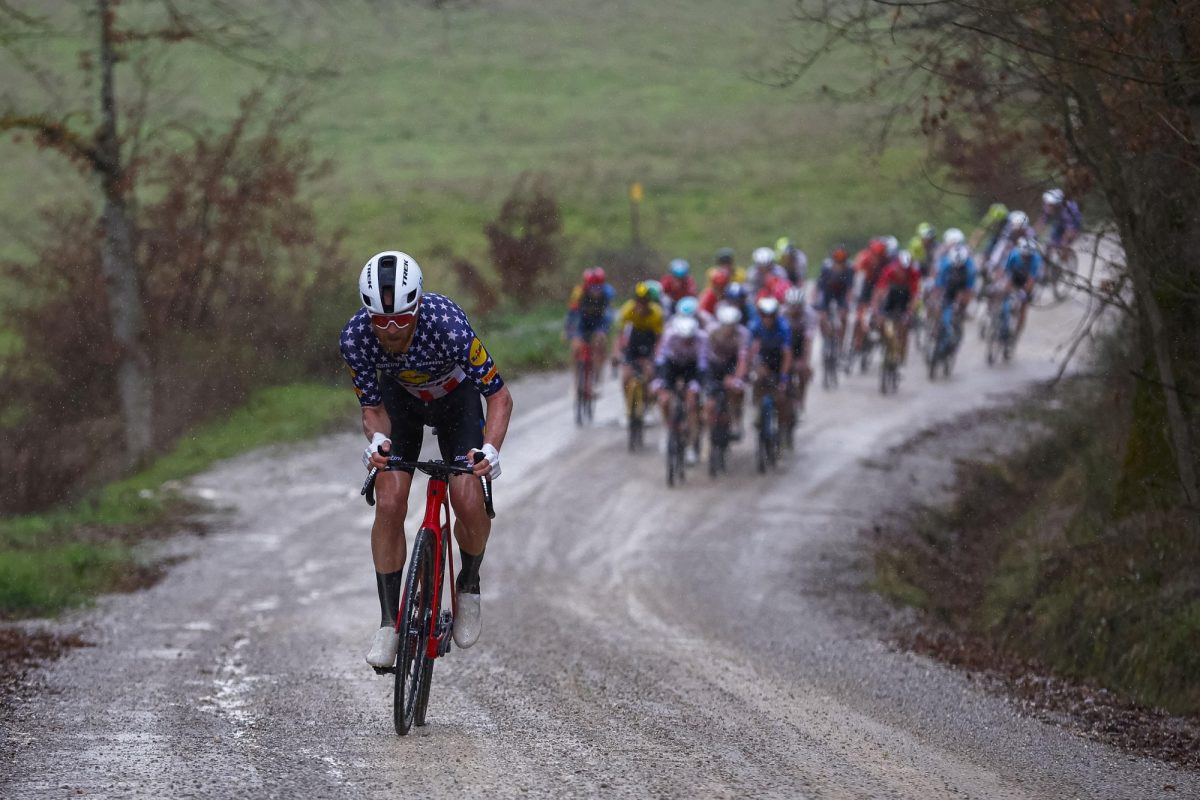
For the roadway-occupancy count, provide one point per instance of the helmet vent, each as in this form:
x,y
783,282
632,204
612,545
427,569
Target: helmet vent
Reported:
x,y
412,296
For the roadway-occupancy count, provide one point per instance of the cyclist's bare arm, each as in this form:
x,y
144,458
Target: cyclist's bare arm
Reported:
x,y
496,417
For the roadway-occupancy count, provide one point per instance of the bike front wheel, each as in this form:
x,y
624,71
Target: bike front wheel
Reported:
x,y
416,618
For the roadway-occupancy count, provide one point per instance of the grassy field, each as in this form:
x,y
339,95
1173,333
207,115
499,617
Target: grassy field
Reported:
x,y
432,115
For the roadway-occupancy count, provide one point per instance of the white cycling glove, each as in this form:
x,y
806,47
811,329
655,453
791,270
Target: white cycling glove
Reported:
x,y
493,457
376,440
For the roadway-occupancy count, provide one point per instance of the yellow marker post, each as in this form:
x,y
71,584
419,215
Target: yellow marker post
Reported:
x,y
635,200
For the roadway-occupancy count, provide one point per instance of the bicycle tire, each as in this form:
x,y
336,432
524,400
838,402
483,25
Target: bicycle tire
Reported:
x,y
415,616
1071,266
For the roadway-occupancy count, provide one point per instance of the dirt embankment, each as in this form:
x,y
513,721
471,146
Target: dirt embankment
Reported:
x,y
1011,578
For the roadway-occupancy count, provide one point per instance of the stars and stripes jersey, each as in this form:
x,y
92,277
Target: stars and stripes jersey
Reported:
x,y
444,352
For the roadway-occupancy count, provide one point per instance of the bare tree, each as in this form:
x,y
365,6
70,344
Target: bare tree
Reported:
x,y
1099,94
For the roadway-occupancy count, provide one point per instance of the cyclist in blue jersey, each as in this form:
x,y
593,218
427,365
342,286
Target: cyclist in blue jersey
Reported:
x,y
954,286
770,351
415,361
1022,268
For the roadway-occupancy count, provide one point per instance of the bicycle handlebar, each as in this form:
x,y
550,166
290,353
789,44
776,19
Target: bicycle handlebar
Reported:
x,y
438,470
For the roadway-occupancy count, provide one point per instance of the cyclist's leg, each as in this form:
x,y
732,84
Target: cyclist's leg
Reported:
x,y
459,421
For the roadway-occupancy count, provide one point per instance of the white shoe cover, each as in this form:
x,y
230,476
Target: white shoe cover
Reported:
x,y
468,620
384,647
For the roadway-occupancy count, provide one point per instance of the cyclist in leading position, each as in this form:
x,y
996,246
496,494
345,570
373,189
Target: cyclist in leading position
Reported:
x,y
953,288
1061,218
415,361
896,295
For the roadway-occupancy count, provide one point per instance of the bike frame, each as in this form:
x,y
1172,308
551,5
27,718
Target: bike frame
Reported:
x,y
437,521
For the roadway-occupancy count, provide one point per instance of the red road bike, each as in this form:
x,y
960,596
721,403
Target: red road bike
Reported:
x,y
423,625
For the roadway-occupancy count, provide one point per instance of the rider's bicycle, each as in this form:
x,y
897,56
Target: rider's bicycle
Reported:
x,y
946,338
635,404
831,352
1002,336
677,434
720,432
893,348
1059,265
585,376
423,625
864,343
767,451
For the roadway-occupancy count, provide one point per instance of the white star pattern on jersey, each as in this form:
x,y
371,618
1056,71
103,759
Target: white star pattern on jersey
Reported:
x,y
443,352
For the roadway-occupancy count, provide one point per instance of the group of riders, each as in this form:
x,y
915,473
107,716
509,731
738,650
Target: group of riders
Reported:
x,y
754,327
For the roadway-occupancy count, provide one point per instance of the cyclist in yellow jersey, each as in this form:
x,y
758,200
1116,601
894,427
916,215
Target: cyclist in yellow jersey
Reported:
x,y
639,326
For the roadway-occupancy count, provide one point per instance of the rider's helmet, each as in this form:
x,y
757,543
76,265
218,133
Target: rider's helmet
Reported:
x,y
839,253
877,248
905,258
395,271
728,314
685,327
594,277
767,306
891,246
1052,197
724,256
736,293
794,296
641,291
953,237
720,278
679,267
959,254
1025,248
926,231
827,263
687,307
655,290
1017,219
763,257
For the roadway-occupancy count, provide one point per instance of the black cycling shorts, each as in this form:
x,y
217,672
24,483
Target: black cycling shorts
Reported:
x,y
640,345
718,371
868,290
458,418
896,300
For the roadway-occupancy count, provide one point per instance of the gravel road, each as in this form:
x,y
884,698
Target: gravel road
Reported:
x,y
637,642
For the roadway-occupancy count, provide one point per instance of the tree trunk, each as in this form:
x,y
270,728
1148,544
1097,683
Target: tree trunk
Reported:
x,y
120,272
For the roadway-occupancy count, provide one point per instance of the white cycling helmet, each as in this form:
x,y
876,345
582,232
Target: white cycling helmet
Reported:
x,y
891,245
685,327
1025,247
763,257
953,237
728,315
768,306
905,259
392,270
794,296
1018,219
1052,197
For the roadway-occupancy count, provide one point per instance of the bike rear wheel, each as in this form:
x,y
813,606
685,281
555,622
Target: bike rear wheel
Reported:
x,y
416,616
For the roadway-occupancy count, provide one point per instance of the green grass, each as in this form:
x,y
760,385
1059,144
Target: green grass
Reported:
x,y
430,117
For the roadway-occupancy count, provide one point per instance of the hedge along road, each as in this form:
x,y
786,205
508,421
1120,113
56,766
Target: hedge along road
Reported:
x,y
637,641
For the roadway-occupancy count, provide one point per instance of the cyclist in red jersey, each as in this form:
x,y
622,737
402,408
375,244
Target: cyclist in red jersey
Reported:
x,y
896,295
715,291
869,264
678,283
